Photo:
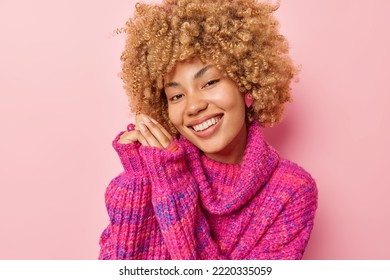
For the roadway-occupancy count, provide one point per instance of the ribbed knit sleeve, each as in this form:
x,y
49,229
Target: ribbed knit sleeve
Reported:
x,y
133,232
176,204
129,156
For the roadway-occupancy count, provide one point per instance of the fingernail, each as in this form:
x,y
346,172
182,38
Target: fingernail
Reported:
x,y
154,121
145,119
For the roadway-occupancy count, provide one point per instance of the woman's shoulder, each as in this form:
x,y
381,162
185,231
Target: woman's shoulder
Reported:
x,y
293,178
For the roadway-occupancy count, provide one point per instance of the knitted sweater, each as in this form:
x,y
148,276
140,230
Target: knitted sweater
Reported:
x,y
183,205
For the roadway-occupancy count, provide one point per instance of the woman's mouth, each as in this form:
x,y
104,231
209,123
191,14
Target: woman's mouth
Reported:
x,y
206,124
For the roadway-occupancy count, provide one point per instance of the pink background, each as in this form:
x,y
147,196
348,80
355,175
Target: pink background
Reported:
x,y
62,104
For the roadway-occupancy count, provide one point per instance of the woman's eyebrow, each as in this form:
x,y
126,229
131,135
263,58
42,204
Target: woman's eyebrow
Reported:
x,y
202,71
197,75
171,84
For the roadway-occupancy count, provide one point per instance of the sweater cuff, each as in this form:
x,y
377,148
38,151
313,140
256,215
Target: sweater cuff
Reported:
x,y
165,166
129,155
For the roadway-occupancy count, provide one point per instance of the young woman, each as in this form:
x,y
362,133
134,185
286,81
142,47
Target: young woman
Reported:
x,y
199,181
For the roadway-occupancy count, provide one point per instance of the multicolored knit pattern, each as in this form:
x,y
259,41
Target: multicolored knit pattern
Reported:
x,y
183,205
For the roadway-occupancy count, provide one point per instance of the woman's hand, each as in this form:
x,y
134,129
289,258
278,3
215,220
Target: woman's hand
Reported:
x,y
148,132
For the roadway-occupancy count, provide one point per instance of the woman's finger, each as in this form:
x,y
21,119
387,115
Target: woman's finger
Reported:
x,y
166,133
149,136
132,136
157,131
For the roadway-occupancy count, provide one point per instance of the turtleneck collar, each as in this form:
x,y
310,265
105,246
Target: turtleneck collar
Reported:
x,y
223,187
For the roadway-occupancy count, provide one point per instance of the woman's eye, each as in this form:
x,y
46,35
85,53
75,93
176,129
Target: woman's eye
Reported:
x,y
176,97
210,83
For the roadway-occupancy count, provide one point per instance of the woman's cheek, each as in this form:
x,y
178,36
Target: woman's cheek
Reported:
x,y
222,99
174,112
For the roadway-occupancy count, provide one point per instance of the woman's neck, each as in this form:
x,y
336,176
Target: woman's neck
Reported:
x,y
234,152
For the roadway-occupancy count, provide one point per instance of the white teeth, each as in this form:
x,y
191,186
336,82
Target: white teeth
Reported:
x,y
206,124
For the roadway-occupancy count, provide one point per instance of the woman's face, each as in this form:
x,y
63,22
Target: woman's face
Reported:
x,y
207,108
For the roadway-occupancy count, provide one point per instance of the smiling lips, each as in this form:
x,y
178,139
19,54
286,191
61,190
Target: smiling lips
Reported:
x,y
206,124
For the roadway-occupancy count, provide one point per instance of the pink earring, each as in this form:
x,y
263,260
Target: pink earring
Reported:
x,y
248,100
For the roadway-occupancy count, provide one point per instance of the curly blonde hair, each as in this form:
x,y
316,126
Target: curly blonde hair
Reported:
x,y
240,37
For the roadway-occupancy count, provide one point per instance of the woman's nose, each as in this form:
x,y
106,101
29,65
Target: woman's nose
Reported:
x,y
195,104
